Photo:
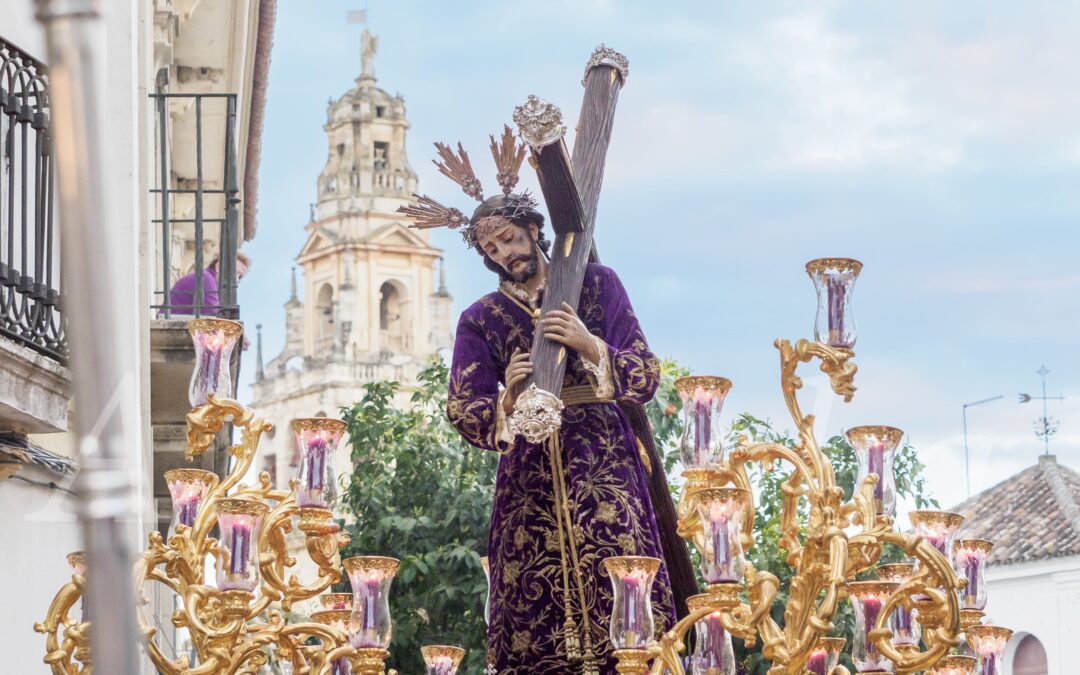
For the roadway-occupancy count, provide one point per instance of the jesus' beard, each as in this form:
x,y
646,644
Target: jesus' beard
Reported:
x,y
532,264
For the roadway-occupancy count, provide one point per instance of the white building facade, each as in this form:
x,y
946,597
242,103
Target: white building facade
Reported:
x,y
1033,572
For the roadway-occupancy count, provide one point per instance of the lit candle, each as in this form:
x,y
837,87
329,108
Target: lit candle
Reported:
x,y
187,506
834,283
632,587
876,464
316,452
720,511
441,665
725,570
871,609
904,632
937,540
988,642
817,662
702,425
442,659
366,633
213,343
968,562
241,547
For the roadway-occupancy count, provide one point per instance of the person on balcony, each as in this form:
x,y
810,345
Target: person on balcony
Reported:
x,y
182,294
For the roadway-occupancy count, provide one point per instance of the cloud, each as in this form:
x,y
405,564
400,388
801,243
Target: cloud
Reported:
x,y
979,282
843,107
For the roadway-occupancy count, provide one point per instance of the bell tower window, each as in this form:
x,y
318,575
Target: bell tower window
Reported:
x,y
381,151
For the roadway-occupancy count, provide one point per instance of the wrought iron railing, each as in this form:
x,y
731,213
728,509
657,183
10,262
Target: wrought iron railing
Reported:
x,y
30,309
190,199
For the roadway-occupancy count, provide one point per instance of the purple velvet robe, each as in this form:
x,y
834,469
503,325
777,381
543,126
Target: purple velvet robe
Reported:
x,y
606,484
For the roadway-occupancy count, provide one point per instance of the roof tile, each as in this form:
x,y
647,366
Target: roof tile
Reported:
x,y
1033,515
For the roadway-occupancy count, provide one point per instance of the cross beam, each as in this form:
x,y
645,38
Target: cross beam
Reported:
x,y
571,191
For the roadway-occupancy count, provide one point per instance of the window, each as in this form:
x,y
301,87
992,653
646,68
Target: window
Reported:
x,y
1029,657
381,153
389,306
380,111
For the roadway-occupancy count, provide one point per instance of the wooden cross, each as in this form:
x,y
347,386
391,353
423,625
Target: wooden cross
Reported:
x,y
571,189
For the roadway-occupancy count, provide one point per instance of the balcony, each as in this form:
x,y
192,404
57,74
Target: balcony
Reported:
x,y
196,228
197,201
33,345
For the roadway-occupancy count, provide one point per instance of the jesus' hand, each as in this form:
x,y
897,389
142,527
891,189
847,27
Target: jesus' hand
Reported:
x,y
516,373
564,326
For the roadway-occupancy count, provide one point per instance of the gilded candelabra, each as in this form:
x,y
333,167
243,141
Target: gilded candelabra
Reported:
x,y
234,622
909,619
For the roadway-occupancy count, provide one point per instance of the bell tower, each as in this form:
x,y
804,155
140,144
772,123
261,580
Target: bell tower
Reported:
x,y
371,304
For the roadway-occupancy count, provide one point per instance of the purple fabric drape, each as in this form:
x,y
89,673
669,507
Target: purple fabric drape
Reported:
x,y
610,513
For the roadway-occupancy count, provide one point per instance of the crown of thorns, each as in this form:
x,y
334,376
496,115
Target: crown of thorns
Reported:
x,y
427,213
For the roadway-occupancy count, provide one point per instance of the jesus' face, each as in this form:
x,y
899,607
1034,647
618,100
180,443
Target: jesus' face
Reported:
x,y
512,247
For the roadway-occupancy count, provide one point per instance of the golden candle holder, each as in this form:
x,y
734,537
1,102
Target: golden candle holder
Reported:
x,y
824,552
232,623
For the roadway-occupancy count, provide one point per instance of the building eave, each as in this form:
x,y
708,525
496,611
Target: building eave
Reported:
x,y
260,81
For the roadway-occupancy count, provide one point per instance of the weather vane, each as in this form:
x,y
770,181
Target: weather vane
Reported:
x,y
1045,426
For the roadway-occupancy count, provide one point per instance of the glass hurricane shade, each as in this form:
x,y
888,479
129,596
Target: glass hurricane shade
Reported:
x,y
370,578
316,442
937,527
954,664
335,617
868,598
442,659
875,447
214,340
834,281
825,656
188,489
631,614
337,601
721,513
906,630
237,563
713,653
988,644
702,400
969,562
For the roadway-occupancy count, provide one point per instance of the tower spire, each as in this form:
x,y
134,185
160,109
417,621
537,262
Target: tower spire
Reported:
x,y
442,276
260,375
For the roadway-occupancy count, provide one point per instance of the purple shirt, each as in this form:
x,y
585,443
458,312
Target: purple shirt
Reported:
x,y
182,295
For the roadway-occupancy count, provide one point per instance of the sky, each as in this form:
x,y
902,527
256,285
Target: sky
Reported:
x,y
938,143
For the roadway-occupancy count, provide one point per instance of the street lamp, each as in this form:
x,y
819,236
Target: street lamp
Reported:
x,y
967,465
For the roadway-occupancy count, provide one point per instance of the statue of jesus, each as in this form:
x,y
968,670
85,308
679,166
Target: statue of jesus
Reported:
x,y
565,505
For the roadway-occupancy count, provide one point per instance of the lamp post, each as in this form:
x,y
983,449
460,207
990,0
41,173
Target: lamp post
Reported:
x,y
967,466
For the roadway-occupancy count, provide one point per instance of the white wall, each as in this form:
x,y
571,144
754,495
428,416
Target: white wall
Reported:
x,y
1041,598
38,529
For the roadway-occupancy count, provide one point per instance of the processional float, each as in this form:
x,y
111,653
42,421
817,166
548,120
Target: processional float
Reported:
x,y
926,614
